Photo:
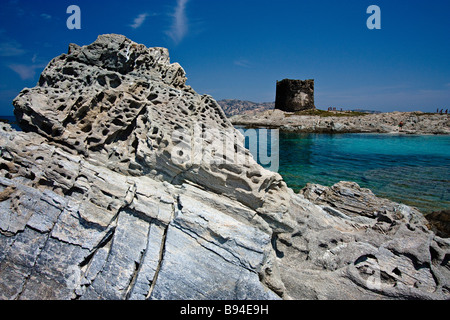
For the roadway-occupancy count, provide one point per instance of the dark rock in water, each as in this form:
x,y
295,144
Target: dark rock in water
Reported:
x,y
127,184
295,95
440,222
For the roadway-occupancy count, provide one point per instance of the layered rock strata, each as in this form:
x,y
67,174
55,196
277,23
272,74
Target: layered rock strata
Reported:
x,y
127,184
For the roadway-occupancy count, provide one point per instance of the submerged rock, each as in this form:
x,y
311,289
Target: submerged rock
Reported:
x,y
127,184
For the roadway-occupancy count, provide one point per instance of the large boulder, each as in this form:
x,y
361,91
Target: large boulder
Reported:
x,y
124,175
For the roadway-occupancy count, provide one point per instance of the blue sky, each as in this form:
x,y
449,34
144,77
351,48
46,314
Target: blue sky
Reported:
x,y
238,49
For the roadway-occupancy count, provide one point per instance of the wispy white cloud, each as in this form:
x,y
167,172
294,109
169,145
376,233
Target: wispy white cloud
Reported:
x,y
242,63
26,72
11,49
139,20
180,22
46,16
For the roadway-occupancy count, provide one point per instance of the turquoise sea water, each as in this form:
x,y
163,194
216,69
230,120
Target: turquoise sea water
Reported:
x,y
409,169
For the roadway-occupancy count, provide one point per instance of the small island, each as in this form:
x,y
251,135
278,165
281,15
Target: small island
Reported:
x,y
320,121
294,111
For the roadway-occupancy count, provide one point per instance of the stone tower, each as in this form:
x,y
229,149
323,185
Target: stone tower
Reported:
x,y
295,95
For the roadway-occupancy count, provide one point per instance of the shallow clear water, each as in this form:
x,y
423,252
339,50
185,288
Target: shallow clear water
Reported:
x,y
413,170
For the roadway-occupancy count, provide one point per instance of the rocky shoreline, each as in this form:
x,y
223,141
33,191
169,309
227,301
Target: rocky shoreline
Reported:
x,y
121,187
348,122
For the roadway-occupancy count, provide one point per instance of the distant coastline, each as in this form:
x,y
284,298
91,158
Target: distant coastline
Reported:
x,y
319,121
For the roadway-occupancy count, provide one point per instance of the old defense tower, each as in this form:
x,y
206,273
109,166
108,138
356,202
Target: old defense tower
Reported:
x,y
295,95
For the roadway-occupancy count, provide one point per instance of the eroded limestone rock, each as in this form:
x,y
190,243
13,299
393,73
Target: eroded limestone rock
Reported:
x,y
120,163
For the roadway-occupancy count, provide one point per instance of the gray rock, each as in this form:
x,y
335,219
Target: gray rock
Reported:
x,y
217,276
97,171
383,247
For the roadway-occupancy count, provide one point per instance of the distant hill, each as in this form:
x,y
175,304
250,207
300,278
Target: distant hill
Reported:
x,y
233,107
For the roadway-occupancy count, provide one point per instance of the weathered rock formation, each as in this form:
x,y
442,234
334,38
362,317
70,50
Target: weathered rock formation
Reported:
x,y
396,263
295,95
127,184
126,175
